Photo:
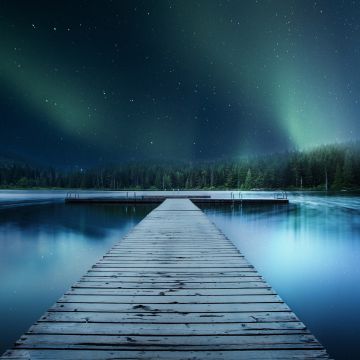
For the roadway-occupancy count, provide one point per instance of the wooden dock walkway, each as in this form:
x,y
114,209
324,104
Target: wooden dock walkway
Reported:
x,y
159,199
173,288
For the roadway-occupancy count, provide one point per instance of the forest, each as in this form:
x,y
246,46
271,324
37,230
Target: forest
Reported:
x,y
328,167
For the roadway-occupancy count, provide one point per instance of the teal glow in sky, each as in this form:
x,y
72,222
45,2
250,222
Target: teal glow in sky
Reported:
x,y
105,81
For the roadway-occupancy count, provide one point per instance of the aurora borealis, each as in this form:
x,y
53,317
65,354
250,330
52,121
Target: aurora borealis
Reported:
x,y
84,82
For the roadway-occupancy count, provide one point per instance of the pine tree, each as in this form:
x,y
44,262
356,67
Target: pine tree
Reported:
x,y
348,174
248,184
338,179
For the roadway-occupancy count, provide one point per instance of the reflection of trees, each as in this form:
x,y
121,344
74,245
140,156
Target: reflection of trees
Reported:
x,y
94,221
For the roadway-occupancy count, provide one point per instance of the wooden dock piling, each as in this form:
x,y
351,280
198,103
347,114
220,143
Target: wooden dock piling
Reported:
x,y
173,288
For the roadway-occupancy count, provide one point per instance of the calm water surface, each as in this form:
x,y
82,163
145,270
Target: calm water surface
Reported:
x,y
308,251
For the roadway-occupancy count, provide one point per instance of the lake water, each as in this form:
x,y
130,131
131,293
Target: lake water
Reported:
x,y
309,252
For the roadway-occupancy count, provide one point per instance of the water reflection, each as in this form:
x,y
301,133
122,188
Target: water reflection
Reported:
x,y
46,248
310,253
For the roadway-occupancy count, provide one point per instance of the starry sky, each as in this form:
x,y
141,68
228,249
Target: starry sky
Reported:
x,y
89,82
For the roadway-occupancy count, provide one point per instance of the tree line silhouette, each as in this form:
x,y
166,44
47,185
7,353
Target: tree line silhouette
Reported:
x,y
328,167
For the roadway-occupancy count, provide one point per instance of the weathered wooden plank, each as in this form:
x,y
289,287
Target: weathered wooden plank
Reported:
x,y
198,250
167,292
179,280
173,262
170,268
174,273
160,329
156,240
165,254
174,248
101,282
180,299
206,238
153,342
180,260
179,252
176,277
169,307
188,236
168,318
169,257
270,354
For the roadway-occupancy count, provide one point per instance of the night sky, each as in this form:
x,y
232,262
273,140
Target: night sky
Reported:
x,y
89,82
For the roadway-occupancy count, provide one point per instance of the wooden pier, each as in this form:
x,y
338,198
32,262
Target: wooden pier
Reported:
x,y
173,288
198,200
